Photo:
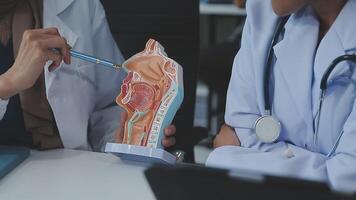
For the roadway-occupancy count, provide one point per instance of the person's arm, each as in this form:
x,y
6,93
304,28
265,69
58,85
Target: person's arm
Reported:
x,y
241,104
337,169
226,137
35,50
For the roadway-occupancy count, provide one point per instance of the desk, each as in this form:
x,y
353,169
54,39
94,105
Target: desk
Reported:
x,y
221,9
73,175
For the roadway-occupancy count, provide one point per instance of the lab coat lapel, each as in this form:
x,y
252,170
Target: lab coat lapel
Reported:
x,y
56,19
62,5
338,41
58,84
345,28
294,59
66,31
60,8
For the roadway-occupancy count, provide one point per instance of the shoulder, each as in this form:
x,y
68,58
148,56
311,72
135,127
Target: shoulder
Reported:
x,y
260,8
260,14
260,25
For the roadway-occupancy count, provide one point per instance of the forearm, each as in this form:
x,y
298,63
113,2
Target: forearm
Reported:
x,y
248,139
302,164
34,52
6,86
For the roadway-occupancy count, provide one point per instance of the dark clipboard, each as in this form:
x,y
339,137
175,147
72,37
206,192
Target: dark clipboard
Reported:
x,y
11,157
191,182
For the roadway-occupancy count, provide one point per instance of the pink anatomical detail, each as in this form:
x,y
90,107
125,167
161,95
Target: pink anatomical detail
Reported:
x,y
142,97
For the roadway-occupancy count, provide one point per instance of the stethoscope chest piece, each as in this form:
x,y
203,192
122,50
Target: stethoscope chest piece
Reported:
x,y
267,129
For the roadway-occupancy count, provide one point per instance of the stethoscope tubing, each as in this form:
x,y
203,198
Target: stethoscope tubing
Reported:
x,y
269,64
335,62
323,83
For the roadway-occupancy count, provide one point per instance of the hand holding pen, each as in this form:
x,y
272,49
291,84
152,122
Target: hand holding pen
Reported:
x,y
35,50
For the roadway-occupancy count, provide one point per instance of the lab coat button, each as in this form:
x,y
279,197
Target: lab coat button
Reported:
x,y
289,153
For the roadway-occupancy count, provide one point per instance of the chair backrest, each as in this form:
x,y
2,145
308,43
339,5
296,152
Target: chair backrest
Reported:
x,y
175,24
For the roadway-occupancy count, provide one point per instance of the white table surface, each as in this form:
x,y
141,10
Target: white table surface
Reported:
x,y
74,175
221,9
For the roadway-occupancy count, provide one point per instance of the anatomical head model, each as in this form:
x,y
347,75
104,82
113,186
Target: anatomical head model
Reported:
x,y
151,94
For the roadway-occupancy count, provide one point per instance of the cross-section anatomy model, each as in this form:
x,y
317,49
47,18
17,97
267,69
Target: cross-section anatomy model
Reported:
x,y
151,93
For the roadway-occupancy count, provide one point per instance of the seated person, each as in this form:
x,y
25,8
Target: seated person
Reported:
x,y
315,144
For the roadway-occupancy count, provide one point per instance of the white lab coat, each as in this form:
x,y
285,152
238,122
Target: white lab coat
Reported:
x,y
297,74
82,94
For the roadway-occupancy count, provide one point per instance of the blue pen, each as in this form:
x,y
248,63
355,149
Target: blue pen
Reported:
x,y
92,59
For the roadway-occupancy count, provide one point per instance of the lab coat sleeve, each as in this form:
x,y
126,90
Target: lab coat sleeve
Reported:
x,y
3,106
105,119
338,169
242,106
300,164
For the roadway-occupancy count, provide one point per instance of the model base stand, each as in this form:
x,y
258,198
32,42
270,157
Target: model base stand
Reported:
x,y
140,153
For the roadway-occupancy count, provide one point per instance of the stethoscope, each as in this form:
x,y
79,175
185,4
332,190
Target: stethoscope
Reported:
x,y
267,127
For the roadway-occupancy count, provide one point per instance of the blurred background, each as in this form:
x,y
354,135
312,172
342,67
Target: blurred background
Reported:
x,y
221,23
204,37
220,26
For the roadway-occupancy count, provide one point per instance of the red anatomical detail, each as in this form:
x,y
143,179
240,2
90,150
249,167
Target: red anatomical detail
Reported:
x,y
142,97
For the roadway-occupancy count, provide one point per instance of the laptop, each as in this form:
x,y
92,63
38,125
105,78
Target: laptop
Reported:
x,y
11,157
191,182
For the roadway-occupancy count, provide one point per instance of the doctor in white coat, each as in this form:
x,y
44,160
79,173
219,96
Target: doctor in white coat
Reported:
x,y
80,94
316,33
